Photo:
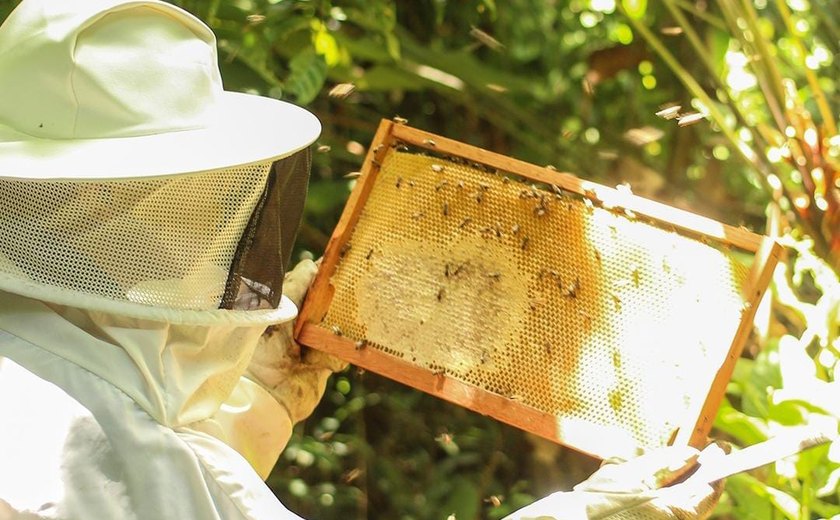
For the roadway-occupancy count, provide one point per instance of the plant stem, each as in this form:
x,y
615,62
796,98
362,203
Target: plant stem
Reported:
x,y
819,95
691,84
700,50
703,15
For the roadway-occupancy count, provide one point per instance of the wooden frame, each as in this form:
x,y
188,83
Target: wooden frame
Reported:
x,y
309,333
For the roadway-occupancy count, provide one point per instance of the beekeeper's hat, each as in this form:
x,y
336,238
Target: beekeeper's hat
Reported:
x,y
128,176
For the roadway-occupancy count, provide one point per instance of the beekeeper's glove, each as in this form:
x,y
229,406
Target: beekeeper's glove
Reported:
x,y
282,385
294,376
632,490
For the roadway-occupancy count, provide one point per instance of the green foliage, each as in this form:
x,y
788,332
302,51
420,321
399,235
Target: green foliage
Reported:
x,y
376,450
791,382
575,84
308,73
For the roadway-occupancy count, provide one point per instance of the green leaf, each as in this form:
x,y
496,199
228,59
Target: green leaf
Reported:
x,y
463,500
392,43
325,44
386,78
308,73
788,413
747,430
746,503
718,45
635,8
748,490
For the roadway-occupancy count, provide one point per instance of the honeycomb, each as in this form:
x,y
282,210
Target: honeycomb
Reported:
x,y
612,325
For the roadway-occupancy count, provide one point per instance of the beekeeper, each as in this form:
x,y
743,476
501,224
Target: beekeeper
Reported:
x,y
146,222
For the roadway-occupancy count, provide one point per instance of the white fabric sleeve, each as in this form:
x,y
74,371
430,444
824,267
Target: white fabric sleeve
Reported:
x,y
252,422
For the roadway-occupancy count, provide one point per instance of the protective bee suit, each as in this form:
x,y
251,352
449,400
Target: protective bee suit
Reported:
x,y
147,368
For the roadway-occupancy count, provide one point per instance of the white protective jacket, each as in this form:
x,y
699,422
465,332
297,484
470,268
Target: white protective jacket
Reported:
x,y
145,415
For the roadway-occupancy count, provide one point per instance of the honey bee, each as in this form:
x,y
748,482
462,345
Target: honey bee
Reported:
x,y
437,168
494,500
573,288
342,90
535,303
670,112
351,475
361,344
429,142
689,119
400,120
336,330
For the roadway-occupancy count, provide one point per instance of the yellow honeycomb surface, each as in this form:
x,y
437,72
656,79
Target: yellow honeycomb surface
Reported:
x,y
613,325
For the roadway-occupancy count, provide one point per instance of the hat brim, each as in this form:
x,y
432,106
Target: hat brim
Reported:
x,y
246,129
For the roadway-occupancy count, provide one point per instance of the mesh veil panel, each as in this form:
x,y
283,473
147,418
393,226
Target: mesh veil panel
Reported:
x,y
170,241
263,255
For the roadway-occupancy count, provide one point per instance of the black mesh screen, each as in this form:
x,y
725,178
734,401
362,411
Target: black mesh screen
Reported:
x,y
264,252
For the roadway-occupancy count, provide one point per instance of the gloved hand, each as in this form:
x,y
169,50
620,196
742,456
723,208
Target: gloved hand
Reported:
x,y
282,385
632,490
295,377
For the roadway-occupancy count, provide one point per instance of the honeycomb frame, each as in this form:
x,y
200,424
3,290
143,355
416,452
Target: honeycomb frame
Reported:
x,y
535,297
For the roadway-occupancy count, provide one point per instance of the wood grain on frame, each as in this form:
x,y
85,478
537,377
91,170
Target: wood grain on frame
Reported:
x,y
762,271
508,409
320,294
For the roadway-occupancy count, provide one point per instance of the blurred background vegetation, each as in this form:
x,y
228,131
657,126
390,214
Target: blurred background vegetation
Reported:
x,y
727,108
